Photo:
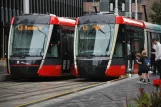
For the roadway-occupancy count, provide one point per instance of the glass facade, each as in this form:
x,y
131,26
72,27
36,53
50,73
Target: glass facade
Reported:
x,y
11,8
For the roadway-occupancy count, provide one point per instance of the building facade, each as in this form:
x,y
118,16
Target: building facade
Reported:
x,y
11,8
123,7
148,4
109,6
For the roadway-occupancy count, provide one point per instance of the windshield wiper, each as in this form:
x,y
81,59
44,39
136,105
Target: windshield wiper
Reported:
x,y
20,55
89,56
43,43
107,49
102,31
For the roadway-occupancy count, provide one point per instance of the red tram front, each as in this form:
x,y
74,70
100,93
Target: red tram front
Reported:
x,y
105,45
40,45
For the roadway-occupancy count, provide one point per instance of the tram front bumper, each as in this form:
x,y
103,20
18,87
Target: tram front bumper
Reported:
x,y
24,71
92,68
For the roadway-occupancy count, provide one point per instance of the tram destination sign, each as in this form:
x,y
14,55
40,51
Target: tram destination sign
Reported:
x,y
29,27
96,27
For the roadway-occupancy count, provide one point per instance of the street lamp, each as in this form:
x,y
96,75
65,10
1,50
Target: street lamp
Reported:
x,y
130,13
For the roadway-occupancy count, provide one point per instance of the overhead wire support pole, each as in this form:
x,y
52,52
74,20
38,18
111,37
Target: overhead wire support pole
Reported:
x,y
116,7
136,9
26,7
130,13
146,18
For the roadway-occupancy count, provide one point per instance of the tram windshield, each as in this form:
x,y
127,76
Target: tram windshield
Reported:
x,y
94,39
28,40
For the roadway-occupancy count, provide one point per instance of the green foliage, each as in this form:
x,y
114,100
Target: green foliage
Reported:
x,y
147,100
156,12
155,99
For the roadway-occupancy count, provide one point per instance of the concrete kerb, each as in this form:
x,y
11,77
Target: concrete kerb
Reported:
x,y
3,72
4,77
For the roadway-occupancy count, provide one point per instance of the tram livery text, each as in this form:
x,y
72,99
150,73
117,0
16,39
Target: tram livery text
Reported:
x,y
25,27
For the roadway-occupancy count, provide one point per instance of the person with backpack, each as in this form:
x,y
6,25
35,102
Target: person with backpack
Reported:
x,y
138,57
145,68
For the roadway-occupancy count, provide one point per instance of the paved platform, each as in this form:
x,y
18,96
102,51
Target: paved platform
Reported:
x,y
112,94
3,71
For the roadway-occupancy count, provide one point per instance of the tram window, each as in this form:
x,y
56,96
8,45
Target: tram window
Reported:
x,y
54,45
28,40
119,47
68,37
138,41
156,35
160,37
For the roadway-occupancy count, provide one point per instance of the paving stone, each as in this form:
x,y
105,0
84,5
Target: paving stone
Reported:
x,y
110,96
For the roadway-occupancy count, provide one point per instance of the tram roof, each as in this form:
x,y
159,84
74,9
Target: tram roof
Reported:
x,y
109,18
43,19
129,21
151,26
62,21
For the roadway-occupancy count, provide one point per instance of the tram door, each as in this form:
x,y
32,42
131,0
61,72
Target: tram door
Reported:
x,y
65,51
130,50
6,35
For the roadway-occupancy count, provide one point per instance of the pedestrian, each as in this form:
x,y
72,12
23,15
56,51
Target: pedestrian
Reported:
x,y
129,57
157,55
153,63
145,67
138,57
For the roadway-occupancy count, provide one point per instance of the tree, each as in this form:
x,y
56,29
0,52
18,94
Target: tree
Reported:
x,y
155,15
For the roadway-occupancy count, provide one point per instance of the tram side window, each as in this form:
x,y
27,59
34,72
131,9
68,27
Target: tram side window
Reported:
x,y
156,35
120,42
139,41
68,37
160,37
54,45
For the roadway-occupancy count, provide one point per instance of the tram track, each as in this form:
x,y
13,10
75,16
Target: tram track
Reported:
x,y
55,85
41,86
58,95
43,90
18,83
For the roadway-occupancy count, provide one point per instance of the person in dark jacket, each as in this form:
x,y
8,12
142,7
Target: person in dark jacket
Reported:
x,y
138,61
153,63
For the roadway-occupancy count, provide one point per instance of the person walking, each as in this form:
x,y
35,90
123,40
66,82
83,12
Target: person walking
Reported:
x,y
153,63
145,67
158,55
138,57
